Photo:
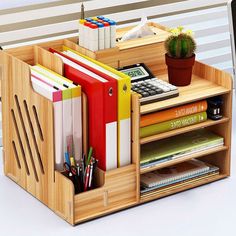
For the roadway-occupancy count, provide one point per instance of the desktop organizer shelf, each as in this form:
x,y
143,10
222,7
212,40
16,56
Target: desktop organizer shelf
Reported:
x,y
28,129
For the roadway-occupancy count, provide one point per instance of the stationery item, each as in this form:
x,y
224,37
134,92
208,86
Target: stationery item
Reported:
x,y
55,95
71,112
173,113
82,11
149,88
89,155
214,110
72,161
175,174
179,146
87,178
124,97
86,34
172,124
107,35
102,103
90,176
67,158
112,24
101,36
81,32
93,37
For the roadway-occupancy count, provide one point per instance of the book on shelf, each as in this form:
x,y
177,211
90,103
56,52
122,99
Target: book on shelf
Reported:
x,y
173,124
175,174
173,113
178,146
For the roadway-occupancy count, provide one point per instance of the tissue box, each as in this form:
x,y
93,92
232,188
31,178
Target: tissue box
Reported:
x,y
149,50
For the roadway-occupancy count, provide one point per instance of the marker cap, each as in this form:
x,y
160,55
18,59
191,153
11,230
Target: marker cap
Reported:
x,y
105,24
112,22
100,25
82,21
100,17
93,26
89,19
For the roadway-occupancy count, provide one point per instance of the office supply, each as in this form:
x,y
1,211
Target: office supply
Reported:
x,y
72,115
55,190
82,15
81,32
174,174
149,88
46,87
173,124
89,155
93,37
102,100
179,146
173,113
214,110
124,126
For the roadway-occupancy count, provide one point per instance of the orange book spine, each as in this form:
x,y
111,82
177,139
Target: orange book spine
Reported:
x,y
173,113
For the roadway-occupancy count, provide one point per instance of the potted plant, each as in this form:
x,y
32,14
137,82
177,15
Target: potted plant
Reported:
x,y
180,56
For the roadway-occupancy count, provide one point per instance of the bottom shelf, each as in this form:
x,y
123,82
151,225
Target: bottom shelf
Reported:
x,y
152,195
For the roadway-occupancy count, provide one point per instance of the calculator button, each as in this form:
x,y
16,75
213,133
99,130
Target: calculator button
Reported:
x,y
138,85
139,91
145,94
152,92
142,87
166,89
159,91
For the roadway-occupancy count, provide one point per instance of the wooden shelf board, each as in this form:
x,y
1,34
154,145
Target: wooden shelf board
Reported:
x,y
182,159
183,130
198,89
180,187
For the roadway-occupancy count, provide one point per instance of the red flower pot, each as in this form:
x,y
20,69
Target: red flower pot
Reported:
x,y
180,70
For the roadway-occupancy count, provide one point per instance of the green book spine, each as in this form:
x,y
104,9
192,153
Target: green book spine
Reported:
x,y
173,124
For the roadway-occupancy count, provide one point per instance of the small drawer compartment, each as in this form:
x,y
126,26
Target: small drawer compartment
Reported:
x,y
118,191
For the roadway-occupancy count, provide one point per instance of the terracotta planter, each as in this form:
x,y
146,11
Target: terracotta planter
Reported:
x,y
180,70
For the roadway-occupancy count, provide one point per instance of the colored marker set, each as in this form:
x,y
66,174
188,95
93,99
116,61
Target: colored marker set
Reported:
x,y
97,33
81,173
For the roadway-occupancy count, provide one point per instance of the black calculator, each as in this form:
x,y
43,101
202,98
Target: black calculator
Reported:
x,y
150,88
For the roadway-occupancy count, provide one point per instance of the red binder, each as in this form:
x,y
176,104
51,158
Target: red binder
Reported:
x,y
102,107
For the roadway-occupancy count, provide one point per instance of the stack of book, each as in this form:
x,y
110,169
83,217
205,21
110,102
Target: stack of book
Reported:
x,y
178,146
177,174
173,118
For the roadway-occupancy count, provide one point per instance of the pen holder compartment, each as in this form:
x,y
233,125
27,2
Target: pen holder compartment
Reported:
x,y
117,190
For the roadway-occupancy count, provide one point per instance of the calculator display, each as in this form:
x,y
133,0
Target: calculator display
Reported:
x,y
136,72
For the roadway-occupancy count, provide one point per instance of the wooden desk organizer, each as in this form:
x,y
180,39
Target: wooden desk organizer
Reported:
x,y
28,130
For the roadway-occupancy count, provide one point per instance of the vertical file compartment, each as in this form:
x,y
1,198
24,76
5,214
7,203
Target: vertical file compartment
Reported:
x,y
29,141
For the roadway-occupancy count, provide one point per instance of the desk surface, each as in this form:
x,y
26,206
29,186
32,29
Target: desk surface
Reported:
x,y
207,210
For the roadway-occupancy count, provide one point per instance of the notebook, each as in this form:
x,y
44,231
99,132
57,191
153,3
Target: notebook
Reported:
x,y
176,173
178,146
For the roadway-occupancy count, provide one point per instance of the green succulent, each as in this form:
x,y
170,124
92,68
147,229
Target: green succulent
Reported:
x,y
180,44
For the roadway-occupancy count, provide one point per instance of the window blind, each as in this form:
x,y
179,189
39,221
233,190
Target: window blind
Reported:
x,y
45,20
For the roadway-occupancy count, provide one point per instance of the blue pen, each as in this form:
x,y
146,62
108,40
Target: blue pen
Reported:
x,y
67,158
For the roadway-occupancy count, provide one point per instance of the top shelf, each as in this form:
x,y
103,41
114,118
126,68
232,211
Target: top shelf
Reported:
x,y
198,89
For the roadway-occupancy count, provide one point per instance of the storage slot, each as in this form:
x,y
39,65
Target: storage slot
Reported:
x,y
216,159
118,191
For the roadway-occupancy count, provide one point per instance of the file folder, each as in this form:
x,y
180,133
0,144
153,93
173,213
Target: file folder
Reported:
x,y
72,111
124,100
54,95
102,106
